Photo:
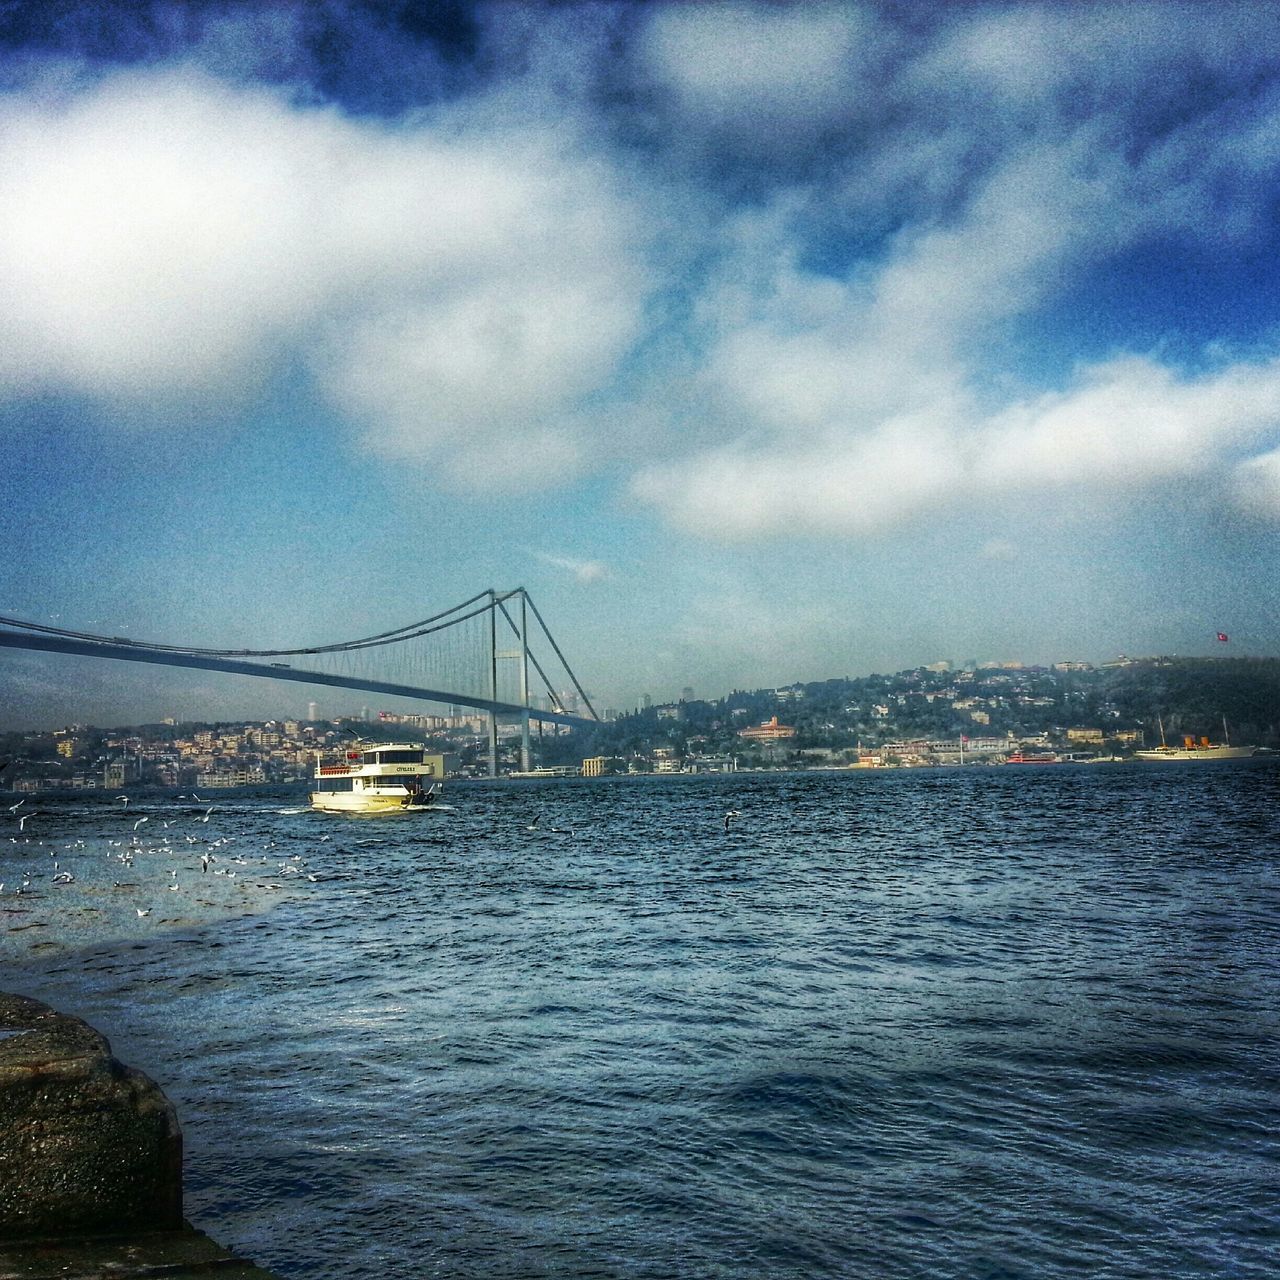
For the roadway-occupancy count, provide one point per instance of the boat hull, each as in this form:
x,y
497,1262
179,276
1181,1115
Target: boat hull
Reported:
x,y
357,802
1194,753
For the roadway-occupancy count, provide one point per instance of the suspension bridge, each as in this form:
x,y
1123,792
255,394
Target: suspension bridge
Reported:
x,y
479,654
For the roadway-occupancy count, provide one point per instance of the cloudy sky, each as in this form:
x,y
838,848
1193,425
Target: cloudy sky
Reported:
x,y
759,342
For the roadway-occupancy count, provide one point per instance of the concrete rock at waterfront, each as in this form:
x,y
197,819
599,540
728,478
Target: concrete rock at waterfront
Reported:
x,y
87,1145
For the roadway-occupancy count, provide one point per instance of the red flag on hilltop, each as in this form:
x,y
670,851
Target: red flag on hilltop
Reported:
x,y
1222,635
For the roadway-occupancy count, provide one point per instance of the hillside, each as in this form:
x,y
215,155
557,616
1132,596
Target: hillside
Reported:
x,y
1189,695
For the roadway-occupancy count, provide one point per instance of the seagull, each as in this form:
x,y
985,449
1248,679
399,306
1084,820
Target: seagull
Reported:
x,y
22,821
729,817
13,808
124,800
207,812
142,911
533,826
139,822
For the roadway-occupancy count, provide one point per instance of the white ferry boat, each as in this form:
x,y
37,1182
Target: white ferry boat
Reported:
x,y
379,777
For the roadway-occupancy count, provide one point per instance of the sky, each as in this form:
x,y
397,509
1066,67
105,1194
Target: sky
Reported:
x,y
761,343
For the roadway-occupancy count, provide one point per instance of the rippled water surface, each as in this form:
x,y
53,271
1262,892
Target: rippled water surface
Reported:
x,y
954,1023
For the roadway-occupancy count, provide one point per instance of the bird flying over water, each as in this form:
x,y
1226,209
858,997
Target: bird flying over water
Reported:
x,y
729,817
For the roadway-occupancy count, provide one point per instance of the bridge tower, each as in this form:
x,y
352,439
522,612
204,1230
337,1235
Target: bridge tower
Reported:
x,y
521,656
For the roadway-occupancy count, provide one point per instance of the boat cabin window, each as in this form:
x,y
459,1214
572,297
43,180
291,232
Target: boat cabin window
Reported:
x,y
394,757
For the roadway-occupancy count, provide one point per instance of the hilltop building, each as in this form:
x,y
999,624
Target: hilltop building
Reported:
x,y
769,731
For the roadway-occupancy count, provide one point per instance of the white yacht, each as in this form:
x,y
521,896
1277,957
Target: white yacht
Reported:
x,y
1191,749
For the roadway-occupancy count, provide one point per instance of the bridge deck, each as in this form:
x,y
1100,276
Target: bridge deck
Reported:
x,y
262,670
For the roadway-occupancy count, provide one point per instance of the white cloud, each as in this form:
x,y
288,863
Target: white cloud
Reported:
x,y
998,549
457,290
584,571
1136,53
759,67
1131,422
851,486
476,290
1257,485
850,405
154,233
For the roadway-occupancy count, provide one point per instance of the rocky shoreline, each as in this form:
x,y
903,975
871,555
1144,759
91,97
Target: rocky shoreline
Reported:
x,y
90,1161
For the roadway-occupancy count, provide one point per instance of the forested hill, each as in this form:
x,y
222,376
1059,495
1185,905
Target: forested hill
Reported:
x,y
1186,695
1193,695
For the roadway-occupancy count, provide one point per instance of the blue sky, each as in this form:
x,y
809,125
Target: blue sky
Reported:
x,y
759,342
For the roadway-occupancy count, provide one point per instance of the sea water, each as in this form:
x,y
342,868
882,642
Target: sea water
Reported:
x,y
1018,1022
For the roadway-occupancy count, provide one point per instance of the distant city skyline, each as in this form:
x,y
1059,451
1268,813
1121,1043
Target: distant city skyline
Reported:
x,y
762,343
268,703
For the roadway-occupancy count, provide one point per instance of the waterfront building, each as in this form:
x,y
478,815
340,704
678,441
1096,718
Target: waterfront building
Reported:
x,y
1084,735
118,773
231,777
712,764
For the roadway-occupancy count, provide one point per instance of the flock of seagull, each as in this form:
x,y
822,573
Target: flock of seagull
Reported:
x,y
197,856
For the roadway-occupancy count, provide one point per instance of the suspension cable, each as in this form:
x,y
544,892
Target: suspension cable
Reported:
x,y
409,631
